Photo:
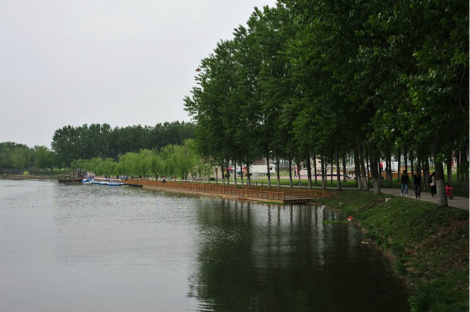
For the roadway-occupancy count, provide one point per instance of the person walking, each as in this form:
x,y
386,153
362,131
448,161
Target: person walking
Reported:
x,y
432,184
417,184
405,180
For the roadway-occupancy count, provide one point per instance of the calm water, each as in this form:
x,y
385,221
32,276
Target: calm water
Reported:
x,y
99,248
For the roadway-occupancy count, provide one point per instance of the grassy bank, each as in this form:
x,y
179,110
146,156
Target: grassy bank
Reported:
x,y
427,245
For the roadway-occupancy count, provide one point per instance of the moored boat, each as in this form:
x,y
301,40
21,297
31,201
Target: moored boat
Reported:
x,y
87,181
108,181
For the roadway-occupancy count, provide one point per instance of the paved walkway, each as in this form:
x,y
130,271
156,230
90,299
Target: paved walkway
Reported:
x,y
458,202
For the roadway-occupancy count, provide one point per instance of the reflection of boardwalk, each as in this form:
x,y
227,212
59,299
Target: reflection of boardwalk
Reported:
x,y
283,196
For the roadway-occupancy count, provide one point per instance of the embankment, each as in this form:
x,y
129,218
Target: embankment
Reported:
x,y
26,177
428,246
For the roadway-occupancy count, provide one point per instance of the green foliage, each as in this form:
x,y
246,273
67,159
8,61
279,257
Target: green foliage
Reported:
x,y
17,157
171,160
44,158
318,78
440,295
86,142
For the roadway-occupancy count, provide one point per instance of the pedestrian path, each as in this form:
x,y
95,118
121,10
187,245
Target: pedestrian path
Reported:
x,y
458,202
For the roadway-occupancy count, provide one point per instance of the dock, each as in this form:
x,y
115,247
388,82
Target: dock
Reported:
x,y
253,193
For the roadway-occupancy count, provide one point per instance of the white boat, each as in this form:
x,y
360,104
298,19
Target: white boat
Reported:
x,y
108,181
103,181
87,181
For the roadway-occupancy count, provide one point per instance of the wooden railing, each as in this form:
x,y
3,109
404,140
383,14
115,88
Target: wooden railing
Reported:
x,y
233,190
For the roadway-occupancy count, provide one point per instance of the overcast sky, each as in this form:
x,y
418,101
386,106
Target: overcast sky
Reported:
x,y
121,62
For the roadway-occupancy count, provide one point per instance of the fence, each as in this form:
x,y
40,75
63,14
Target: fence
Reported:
x,y
232,190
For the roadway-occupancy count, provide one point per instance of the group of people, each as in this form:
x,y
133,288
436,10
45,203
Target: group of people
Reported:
x,y
405,180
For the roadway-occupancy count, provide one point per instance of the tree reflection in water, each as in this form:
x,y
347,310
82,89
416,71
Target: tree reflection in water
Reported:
x,y
260,257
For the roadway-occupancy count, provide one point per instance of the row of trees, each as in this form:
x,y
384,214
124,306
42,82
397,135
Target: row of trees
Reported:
x,y
17,157
92,142
170,161
96,140
323,79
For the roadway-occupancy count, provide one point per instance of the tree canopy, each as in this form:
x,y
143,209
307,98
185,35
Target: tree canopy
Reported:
x,y
96,140
325,78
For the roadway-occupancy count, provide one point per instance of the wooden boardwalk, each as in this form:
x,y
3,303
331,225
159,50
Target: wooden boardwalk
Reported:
x,y
256,193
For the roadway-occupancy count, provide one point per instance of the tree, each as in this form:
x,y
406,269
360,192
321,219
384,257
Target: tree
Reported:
x,y
20,157
43,157
437,84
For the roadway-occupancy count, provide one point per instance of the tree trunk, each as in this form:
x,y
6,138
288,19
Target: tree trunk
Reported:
x,y
248,175
345,179
405,155
464,164
338,174
399,164
331,172
315,168
426,174
440,184
365,185
411,172
290,173
298,174
309,172
241,173
389,168
357,170
269,171
323,165
235,173
223,174
278,173
228,173
449,170
367,169
374,163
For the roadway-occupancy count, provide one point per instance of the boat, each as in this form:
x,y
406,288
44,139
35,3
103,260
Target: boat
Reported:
x,y
88,180
107,181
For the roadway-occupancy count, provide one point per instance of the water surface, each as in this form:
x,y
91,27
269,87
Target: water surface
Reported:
x,y
98,248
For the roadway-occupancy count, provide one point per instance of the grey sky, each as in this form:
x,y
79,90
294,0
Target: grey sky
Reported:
x,y
121,62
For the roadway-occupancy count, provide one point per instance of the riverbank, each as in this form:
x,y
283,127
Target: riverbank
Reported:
x,y
27,177
428,246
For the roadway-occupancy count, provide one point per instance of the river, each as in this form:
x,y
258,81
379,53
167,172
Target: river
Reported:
x,y
99,248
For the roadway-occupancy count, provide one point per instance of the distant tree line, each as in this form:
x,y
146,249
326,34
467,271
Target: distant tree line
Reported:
x,y
100,140
95,141
325,79
15,158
